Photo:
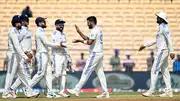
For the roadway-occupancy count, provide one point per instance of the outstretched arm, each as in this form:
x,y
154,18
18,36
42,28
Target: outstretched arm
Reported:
x,y
77,41
150,43
50,44
88,42
147,45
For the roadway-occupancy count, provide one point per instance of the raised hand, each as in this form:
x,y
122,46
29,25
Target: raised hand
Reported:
x,y
77,29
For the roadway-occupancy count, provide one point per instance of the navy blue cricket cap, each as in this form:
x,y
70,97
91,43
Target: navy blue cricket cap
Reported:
x,y
59,21
39,19
15,19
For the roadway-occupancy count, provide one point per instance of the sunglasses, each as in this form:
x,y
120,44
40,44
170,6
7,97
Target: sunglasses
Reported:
x,y
61,25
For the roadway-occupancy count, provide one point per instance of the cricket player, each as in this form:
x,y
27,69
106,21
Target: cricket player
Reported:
x,y
60,56
25,41
42,56
15,54
163,48
95,60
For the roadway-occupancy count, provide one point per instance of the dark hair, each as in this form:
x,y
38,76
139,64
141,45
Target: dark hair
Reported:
x,y
39,19
92,19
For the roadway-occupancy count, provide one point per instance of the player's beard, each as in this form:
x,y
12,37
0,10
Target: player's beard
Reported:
x,y
90,26
60,29
43,26
25,25
18,27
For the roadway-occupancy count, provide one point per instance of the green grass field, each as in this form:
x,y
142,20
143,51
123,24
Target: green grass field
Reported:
x,y
91,97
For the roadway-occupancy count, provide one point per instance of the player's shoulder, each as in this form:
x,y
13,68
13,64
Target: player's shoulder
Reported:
x,y
95,30
39,29
13,30
23,30
98,29
64,33
163,26
56,32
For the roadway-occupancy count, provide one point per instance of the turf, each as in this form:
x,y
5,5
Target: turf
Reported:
x,y
91,97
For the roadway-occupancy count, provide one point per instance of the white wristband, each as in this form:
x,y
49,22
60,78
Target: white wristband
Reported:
x,y
85,41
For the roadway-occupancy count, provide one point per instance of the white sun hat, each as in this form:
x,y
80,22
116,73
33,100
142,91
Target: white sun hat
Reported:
x,y
163,16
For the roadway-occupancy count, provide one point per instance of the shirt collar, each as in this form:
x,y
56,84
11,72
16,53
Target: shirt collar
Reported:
x,y
24,27
94,27
16,31
41,29
62,33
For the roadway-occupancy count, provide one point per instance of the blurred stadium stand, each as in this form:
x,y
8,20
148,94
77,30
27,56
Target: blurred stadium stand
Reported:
x,y
126,24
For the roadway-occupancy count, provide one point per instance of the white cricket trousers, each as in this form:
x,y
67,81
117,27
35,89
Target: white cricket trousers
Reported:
x,y
94,62
27,71
160,64
15,67
44,70
60,66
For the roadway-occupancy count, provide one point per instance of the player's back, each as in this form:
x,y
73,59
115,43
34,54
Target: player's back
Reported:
x,y
97,45
11,48
40,46
161,41
26,40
